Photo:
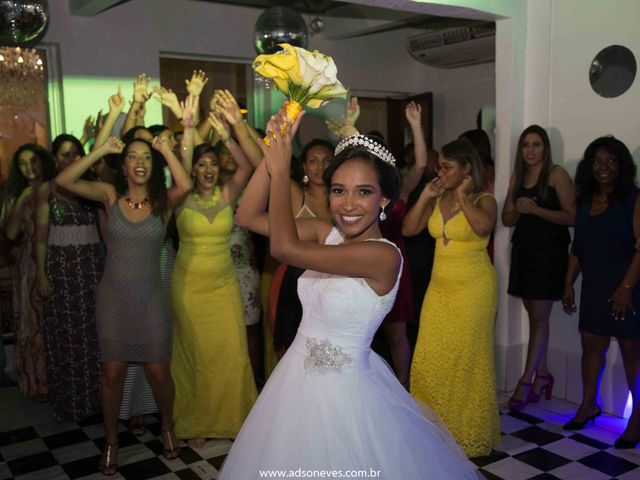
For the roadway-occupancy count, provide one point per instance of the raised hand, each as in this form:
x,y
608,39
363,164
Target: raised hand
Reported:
x,y
99,121
221,127
353,112
196,84
277,151
141,88
169,99
230,108
339,127
161,144
413,112
89,128
188,111
112,145
116,102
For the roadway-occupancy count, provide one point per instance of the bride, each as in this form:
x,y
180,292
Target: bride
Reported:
x,y
332,405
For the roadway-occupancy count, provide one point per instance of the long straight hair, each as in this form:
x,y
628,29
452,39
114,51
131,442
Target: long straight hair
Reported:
x,y
519,171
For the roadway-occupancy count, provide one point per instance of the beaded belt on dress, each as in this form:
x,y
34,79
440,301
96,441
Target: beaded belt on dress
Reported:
x,y
323,356
65,235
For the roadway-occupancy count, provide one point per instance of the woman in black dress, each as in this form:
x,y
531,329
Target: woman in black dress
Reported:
x,y
604,249
540,203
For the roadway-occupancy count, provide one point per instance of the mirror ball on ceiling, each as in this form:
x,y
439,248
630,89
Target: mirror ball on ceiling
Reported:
x,y
22,21
279,25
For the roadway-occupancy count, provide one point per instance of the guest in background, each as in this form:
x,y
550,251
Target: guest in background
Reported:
x,y
453,366
540,204
31,165
69,270
607,230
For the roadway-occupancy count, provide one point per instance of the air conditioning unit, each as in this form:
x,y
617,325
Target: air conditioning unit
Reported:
x,y
455,47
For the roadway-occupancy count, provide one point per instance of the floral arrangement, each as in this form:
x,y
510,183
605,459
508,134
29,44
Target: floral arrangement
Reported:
x,y
307,79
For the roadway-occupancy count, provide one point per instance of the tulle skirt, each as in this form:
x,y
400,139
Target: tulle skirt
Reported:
x,y
358,419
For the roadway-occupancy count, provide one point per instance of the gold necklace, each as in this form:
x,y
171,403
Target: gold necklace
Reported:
x,y
136,205
208,204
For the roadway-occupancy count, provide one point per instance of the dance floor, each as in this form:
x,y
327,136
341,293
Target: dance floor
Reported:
x,y
534,446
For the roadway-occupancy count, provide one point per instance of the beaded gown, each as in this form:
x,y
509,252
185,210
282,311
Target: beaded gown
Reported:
x,y
210,365
333,404
453,368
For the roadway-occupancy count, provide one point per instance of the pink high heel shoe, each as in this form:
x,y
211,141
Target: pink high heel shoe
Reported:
x,y
547,388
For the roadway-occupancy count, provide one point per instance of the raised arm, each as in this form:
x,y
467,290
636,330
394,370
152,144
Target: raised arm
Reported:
x,y
418,215
238,181
88,130
231,112
413,113
42,235
352,259
188,127
182,184
168,99
116,104
140,97
70,178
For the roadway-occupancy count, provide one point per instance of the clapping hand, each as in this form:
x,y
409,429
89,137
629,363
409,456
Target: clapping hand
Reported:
x,y
161,144
141,88
339,127
196,84
89,128
228,106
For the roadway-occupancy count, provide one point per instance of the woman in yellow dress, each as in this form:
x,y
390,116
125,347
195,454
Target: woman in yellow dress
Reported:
x,y
215,389
453,367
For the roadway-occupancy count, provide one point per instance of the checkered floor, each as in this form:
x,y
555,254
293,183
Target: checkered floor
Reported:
x,y
534,446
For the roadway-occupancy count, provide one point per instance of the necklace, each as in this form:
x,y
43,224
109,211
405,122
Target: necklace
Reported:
x,y
136,205
208,204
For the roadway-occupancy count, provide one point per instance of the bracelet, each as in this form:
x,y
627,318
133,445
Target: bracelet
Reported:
x,y
626,285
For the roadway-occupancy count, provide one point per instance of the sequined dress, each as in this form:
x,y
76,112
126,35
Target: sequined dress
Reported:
x,y
333,404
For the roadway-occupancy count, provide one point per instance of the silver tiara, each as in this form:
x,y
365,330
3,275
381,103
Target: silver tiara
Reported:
x,y
373,147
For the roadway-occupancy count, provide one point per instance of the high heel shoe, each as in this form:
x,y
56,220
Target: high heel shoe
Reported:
x,y
108,469
547,388
622,443
518,405
575,425
170,451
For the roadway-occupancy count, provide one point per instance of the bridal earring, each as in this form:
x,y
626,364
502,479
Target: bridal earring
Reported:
x,y
305,179
382,216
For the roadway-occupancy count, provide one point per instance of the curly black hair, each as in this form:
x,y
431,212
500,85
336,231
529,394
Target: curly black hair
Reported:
x,y
16,182
156,187
586,184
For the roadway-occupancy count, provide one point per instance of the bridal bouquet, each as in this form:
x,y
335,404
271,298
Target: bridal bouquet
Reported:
x,y
307,79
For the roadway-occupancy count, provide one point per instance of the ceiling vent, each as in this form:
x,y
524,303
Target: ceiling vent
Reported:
x,y
455,47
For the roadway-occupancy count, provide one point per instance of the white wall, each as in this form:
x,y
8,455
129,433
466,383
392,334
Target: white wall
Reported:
x,y
100,52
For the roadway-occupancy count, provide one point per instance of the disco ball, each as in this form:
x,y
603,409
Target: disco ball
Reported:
x,y
279,25
22,21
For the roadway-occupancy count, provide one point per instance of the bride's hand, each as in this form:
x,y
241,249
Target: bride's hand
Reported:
x,y
277,153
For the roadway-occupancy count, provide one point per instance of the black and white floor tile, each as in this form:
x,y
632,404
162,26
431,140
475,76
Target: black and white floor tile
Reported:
x,y
534,446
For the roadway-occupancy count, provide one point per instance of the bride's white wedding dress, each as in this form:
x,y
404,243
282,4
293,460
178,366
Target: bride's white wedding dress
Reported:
x,y
332,404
